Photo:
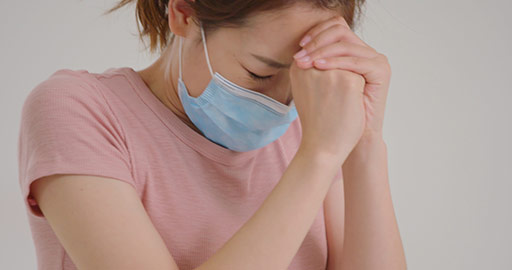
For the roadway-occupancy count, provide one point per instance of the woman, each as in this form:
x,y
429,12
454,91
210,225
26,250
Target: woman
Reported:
x,y
225,153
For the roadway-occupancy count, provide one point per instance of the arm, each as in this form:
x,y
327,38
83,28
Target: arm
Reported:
x,y
261,244
334,216
102,224
372,239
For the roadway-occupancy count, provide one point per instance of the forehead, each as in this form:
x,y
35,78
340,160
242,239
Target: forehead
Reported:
x,y
280,31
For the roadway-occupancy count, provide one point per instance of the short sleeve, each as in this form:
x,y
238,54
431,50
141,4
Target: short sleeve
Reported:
x,y
67,127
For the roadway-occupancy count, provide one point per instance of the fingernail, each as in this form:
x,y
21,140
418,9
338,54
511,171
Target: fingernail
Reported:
x,y
304,59
305,40
300,54
320,61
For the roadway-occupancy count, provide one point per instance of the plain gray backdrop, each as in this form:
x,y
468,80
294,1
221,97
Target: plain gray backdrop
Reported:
x,y
448,122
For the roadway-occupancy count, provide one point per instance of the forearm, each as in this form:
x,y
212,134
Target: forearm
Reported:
x,y
372,238
273,235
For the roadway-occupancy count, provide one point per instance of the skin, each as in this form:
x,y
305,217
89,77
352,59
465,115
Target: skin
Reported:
x,y
275,36
361,228
332,45
328,43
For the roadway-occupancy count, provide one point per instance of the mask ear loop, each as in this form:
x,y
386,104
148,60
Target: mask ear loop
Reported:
x,y
179,53
206,50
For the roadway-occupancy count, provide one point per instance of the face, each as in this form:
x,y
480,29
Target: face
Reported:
x,y
256,56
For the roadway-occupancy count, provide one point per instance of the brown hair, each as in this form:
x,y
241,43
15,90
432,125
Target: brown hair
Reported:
x,y
152,14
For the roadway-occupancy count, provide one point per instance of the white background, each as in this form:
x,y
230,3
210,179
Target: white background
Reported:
x,y
448,120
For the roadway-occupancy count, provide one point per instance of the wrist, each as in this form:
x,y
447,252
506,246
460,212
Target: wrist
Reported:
x,y
372,135
369,146
321,157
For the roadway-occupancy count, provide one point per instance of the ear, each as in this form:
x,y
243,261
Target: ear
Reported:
x,y
179,17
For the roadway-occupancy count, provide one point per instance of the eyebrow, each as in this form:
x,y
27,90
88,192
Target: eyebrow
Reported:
x,y
271,62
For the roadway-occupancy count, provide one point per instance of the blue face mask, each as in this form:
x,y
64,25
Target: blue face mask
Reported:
x,y
232,116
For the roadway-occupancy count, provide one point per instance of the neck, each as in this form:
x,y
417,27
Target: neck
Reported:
x,y
162,78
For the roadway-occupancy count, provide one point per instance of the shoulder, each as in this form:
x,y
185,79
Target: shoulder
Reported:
x,y
67,126
65,90
68,104
64,82
62,78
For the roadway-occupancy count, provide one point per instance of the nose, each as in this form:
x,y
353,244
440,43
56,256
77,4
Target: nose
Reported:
x,y
280,90
284,89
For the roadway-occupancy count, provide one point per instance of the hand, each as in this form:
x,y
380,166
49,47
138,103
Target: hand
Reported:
x,y
331,110
332,45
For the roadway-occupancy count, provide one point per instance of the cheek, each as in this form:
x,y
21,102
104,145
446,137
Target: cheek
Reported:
x,y
196,74
197,85
195,93
283,87
279,90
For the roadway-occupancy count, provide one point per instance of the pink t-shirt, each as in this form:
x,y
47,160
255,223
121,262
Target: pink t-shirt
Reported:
x,y
110,124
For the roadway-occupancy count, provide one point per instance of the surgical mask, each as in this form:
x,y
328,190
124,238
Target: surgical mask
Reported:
x,y
232,116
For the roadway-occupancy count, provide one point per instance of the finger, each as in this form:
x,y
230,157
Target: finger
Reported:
x,y
334,21
321,27
373,69
341,48
333,34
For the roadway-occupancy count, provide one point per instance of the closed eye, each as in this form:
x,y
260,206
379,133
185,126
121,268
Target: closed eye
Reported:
x,y
257,77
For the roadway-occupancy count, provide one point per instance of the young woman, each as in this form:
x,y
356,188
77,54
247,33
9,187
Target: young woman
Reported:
x,y
253,142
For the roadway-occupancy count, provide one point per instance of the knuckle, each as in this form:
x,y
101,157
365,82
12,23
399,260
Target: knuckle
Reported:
x,y
333,76
355,60
340,46
341,28
383,57
317,73
317,54
312,45
356,81
348,78
385,62
388,69
341,20
343,77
